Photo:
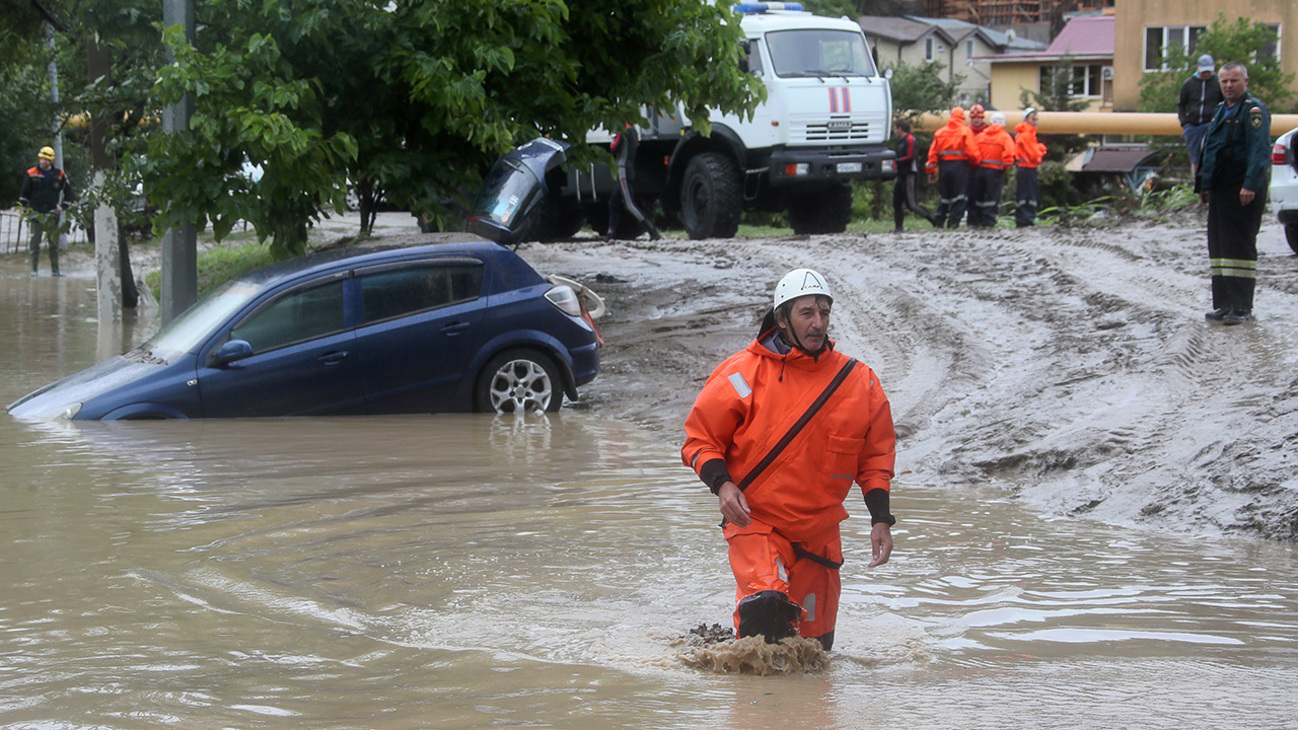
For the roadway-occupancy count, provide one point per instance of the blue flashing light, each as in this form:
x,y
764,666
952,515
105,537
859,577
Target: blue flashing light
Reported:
x,y
763,7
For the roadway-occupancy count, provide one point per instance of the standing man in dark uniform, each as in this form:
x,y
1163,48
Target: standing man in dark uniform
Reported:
x,y
1233,178
45,187
1200,95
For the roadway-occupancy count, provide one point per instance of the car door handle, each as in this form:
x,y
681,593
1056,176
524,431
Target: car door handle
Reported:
x,y
332,358
455,328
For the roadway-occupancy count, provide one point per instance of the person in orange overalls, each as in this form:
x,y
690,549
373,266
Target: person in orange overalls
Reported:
x,y
950,158
996,155
779,433
977,125
1028,154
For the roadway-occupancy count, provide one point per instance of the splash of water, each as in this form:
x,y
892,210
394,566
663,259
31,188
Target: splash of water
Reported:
x,y
713,649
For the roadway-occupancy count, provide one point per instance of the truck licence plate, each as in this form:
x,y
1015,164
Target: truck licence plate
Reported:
x,y
848,167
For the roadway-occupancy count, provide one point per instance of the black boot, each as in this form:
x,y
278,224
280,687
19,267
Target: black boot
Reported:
x,y
769,613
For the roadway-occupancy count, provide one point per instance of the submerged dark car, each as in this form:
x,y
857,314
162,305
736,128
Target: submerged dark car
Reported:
x,y
443,327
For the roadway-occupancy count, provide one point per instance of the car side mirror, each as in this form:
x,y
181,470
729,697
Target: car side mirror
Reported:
x,y
232,351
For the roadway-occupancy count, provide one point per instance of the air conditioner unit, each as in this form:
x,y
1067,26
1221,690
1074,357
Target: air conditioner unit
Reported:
x,y
1107,73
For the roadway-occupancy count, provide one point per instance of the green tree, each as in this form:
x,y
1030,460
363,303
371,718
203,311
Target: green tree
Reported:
x,y
1224,40
414,98
250,107
918,90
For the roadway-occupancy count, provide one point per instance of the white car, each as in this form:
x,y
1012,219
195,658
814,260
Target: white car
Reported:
x,y
1284,184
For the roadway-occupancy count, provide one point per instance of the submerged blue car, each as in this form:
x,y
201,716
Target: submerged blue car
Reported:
x,y
433,328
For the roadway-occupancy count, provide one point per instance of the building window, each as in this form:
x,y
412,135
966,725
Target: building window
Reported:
x,y
968,49
1160,39
1086,80
1272,49
928,49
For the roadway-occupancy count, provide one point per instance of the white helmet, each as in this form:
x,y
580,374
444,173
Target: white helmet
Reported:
x,y
800,283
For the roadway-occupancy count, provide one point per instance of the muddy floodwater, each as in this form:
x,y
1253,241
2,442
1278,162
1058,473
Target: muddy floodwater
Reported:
x,y
471,571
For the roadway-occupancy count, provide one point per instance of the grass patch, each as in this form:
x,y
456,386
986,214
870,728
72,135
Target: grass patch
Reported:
x,y
218,265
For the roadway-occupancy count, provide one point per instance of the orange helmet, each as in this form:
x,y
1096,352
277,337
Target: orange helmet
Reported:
x,y
977,110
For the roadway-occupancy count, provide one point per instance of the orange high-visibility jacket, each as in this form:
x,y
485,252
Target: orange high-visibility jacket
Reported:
x,y
955,141
748,404
995,148
1029,152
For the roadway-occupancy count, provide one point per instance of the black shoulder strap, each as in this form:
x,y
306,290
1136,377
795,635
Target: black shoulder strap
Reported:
x,y
794,430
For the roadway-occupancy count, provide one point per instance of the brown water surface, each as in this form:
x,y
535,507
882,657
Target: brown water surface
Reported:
x,y
470,571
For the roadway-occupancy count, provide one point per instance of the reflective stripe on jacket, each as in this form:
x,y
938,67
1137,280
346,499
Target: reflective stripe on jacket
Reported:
x,y
995,148
750,401
1028,151
953,142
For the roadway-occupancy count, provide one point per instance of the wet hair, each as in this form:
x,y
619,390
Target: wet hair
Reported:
x,y
902,124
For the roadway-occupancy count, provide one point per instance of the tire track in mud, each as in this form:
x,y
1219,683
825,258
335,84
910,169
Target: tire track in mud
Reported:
x,y
1073,367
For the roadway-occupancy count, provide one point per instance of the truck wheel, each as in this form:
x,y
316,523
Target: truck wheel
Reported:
x,y
560,218
1291,234
822,211
711,199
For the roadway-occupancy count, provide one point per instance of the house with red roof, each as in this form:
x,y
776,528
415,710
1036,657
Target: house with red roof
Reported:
x,y
1085,44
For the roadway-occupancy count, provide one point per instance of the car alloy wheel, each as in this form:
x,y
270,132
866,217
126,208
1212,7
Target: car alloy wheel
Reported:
x,y
519,381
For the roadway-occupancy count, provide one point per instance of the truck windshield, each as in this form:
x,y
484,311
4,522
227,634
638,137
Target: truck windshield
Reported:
x,y
804,53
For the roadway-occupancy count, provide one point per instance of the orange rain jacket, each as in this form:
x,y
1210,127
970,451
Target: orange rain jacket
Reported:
x,y
1029,152
748,404
996,148
954,141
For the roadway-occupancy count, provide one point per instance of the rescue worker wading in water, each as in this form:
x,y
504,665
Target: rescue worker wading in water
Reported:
x,y
779,433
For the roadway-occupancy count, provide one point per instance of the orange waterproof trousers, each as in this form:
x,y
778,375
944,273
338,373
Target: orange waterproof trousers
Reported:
x,y
764,560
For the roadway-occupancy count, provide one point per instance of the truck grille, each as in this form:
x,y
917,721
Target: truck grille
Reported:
x,y
833,131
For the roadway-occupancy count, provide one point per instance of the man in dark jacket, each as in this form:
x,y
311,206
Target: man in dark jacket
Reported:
x,y
45,188
1233,180
903,192
1200,95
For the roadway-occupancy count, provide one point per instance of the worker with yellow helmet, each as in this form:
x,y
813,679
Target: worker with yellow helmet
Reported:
x,y
45,189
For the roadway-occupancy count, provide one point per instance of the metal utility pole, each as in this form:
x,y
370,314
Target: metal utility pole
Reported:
x,y
179,245
58,241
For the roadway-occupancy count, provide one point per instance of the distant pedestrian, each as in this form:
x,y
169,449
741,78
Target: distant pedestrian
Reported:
x,y
950,158
1200,95
1028,154
996,151
1233,178
45,189
903,192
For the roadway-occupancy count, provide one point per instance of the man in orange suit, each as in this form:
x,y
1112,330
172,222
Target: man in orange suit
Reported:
x,y
951,157
779,433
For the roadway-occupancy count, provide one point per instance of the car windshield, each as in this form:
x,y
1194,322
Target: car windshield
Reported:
x,y
185,332
817,53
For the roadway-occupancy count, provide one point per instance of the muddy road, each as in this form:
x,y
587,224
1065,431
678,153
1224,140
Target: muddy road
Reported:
x,y
1070,367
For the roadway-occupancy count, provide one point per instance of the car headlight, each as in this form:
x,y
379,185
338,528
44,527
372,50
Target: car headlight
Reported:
x,y
62,413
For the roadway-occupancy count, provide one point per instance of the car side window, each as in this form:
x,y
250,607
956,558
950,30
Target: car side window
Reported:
x,y
395,292
300,315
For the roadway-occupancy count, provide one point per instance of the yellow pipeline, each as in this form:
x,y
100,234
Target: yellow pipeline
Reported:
x,y
1101,122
